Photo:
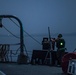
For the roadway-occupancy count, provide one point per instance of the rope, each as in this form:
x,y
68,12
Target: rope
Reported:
x,y
16,51
11,32
26,32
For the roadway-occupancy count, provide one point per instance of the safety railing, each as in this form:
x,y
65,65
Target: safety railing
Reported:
x,y
8,54
4,49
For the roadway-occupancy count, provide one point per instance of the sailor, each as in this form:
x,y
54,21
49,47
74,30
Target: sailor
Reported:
x,y
60,44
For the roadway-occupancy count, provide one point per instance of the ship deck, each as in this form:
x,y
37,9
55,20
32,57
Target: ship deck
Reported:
x,y
28,69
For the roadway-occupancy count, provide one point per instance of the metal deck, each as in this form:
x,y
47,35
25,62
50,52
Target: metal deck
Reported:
x,y
28,69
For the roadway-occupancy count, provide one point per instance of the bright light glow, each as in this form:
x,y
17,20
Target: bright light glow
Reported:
x,y
61,43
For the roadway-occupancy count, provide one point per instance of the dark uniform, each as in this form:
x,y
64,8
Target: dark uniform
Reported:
x,y
60,44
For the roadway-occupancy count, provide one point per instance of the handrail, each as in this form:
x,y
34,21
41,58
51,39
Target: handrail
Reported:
x,y
20,56
21,30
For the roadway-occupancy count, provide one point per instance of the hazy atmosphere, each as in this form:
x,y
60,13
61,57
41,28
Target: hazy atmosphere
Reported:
x,y
36,16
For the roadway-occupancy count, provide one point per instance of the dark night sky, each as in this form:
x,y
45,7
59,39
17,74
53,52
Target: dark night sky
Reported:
x,y
37,15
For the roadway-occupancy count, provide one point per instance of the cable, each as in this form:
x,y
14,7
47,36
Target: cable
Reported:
x,y
19,38
26,32
11,32
74,50
16,51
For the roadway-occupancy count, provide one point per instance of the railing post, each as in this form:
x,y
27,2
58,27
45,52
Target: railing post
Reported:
x,y
22,58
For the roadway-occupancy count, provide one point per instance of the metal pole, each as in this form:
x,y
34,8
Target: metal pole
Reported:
x,y
21,57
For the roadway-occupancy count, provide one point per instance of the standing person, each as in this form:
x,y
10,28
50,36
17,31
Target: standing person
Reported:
x,y
60,44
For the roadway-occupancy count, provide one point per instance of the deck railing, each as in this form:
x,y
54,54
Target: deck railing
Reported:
x,y
7,54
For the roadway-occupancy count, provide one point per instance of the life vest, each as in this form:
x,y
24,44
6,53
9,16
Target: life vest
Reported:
x,y
60,43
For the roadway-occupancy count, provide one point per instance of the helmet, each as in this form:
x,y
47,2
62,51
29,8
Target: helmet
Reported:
x,y
60,35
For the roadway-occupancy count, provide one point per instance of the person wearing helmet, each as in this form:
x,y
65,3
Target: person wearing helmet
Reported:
x,y
60,44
